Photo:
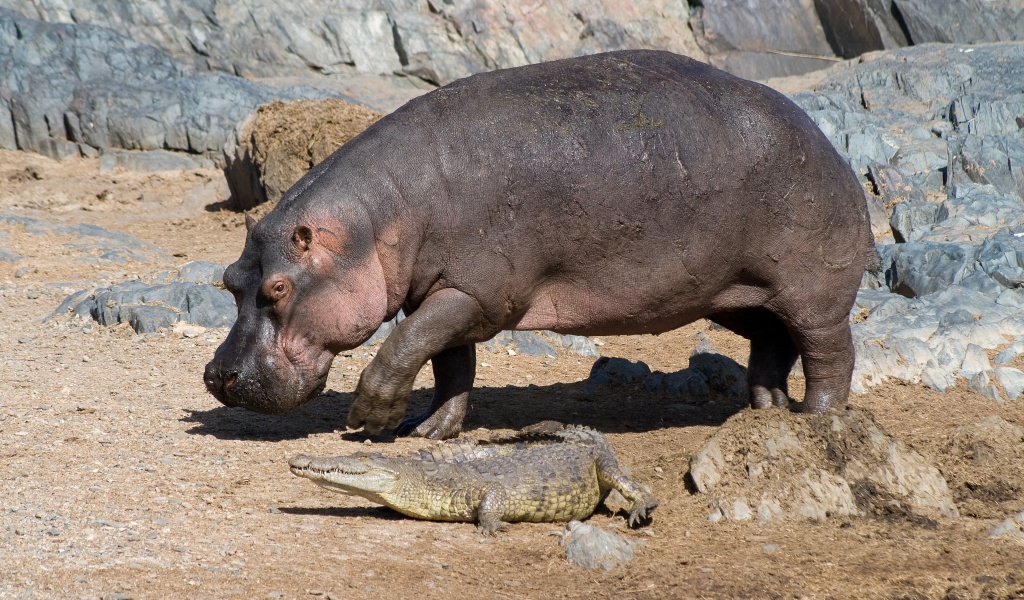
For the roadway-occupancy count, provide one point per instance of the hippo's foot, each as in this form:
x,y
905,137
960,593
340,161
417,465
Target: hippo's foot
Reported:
x,y
828,357
433,426
377,406
453,379
764,397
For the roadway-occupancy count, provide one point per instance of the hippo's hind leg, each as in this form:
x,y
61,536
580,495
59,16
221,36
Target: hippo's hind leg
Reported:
x,y
454,370
772,353
828,358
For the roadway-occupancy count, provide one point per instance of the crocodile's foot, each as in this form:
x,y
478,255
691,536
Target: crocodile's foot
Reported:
x,y
640,514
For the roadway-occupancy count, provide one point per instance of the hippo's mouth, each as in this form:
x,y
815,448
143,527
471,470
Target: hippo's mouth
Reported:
x,y
266,392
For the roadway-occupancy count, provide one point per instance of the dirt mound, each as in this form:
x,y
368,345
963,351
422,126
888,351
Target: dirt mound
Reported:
x,y
283,140
984,464
774,464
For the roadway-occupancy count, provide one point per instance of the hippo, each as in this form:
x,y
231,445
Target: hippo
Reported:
x,y
627,192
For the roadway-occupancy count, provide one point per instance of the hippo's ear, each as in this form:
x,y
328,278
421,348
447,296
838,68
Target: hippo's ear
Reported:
x,y
302,238
249,223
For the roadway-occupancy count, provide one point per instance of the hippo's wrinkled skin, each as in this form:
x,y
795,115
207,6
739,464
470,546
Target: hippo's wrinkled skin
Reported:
x,y
621,193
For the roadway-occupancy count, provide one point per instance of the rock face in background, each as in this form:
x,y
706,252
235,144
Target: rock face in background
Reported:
x,y
195,68
67,90
936,133
437,40
963,21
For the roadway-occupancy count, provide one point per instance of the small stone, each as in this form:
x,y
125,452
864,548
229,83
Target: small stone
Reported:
x,y
592,547
769,548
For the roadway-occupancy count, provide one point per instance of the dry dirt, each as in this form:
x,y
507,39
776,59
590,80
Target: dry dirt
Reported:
x,y
121,477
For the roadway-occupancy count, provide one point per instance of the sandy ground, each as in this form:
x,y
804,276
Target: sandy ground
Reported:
x,y
120,477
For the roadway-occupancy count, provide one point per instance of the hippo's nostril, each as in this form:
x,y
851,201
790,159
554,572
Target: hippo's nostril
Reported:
x,y
230,380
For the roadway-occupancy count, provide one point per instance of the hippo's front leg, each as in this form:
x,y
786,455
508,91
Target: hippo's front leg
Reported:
x,y
454,370
446,321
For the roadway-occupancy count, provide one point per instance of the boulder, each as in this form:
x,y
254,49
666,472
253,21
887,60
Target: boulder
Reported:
x,y
768,465
281,141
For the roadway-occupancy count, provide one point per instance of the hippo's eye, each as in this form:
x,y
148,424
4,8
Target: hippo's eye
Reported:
x,y
276,289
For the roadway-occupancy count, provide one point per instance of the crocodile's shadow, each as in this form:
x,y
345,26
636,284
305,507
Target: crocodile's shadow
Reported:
x,y
611,409
376,512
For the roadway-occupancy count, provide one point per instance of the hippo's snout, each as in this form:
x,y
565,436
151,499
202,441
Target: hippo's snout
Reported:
x,y
220,381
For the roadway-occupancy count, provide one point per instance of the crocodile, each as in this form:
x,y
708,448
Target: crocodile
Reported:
x,y
543,473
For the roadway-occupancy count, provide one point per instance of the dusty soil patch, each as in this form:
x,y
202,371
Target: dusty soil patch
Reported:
x,y
120,474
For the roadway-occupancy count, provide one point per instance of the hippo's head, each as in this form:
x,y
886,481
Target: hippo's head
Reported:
x,y
308,285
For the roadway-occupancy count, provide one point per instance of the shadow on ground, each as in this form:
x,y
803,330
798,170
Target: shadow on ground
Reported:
x,y
611,409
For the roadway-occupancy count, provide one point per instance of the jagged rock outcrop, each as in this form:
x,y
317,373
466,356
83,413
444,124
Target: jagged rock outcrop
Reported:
x,y
84,89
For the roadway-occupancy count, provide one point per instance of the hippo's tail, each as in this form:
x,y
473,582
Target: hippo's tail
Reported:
x,y
873,260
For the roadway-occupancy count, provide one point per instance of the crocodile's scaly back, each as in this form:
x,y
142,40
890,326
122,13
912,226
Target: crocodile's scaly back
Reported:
x,y
534,475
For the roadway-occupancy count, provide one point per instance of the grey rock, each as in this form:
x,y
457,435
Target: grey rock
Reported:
x,y
894,187
592,547
186,294
89,240
927,339
201,271
853,27
982,383
992,159
58,149
975,359
686,383
147,319
963,22
723,375
1010,380
579,345
937,379
919,268
73,87
910,220
778,29
1011,527
1008,355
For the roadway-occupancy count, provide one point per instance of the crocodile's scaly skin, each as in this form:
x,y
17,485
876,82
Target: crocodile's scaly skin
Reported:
x,y
543,473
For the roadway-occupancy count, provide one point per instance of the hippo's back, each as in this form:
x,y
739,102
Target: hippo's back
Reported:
x,y
644,165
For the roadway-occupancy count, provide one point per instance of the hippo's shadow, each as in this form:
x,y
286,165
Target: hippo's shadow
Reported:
x,y
608,408
324,414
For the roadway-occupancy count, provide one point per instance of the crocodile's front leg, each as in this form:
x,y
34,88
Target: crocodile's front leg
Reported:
x,y
493,507
611,477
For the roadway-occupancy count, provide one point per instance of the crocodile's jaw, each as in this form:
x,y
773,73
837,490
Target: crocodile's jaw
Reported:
x,y
360,474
